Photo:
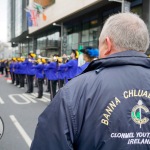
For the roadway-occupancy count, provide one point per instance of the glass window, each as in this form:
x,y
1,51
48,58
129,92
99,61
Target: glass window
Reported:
x,y
41,42
53,39
69,30
69,39
31,45
25,49
88,31
57,36
93,34
85,32
75,38
44,42
85,35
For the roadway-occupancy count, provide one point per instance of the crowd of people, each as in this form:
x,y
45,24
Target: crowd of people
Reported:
x,y
55,71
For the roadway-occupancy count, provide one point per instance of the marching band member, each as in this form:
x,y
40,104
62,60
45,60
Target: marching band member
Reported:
x,y
2,67
22,72
40,76
30,72
46,76
16,72
61,72
11,68
6,67
71,65
51,70
89,54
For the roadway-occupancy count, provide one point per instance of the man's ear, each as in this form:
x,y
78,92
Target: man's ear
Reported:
x,y
108,44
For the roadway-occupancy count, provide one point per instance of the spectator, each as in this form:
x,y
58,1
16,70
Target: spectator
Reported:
x,y
107,107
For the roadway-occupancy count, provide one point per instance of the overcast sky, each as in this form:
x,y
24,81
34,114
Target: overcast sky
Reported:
x,y
3,20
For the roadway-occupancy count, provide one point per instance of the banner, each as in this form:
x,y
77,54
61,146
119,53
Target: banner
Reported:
x,y
34,17
29,21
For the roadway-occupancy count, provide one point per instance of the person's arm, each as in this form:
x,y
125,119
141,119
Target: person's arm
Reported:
x,y
68,64
55,129
51,66
36,66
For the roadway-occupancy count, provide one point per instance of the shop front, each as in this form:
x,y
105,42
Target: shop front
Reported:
x,y
85,30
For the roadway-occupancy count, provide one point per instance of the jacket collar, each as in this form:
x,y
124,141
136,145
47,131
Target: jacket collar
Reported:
x,y
129,57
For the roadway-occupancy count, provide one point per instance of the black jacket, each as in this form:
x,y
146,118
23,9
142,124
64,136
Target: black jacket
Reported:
x,y
106,108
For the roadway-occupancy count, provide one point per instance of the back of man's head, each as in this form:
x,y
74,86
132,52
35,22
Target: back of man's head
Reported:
x,y
127,31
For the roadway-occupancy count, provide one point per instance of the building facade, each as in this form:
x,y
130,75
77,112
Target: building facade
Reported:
x,y
73,24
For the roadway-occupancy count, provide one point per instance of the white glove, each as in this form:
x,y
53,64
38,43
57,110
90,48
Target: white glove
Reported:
x,y
29,60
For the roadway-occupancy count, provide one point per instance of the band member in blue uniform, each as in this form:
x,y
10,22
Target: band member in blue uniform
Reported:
x,y
51,70
16,72
2,67
40,76
71,65
46,76
6,63
89,54
11,68
30,72
61,72
22,72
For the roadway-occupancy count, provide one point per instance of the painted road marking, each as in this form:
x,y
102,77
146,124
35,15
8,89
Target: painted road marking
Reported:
x,y
23,99
29,97
48,94
1,101
43,99
21,130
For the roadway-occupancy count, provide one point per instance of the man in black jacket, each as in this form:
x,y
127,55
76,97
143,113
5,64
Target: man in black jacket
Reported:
x,y
107,107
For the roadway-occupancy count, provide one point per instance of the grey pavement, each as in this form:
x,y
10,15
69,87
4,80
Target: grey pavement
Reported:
x,y
19,112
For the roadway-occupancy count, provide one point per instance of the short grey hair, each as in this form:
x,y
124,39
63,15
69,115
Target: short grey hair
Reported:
x,y
127,31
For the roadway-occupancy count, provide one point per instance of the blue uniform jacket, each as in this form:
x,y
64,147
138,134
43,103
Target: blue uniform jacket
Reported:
x,y
106,108
16,71
39,71
46,70
80,69
61,73
71,68
21,68
2,64
11,67
29,67
51,71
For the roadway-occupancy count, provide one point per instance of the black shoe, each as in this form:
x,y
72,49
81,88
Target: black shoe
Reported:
x,y
27,92
39,97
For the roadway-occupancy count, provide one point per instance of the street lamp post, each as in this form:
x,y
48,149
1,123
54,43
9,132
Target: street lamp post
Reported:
x,y
28,42
60,25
